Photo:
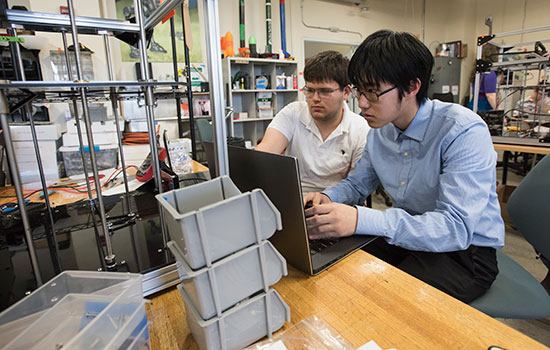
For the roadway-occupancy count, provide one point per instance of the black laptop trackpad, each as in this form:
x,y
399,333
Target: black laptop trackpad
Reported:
x,y
337,251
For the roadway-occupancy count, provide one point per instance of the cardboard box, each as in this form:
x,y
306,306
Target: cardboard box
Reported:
x,y
504,192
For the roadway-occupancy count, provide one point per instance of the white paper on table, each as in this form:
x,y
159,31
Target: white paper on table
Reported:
x,y
133,185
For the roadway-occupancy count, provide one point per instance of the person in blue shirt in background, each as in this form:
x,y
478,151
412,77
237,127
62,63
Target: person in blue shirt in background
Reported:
x,y
437,162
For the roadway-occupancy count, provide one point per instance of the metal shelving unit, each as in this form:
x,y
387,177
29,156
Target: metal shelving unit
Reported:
x,y
531,63
80,93
240,100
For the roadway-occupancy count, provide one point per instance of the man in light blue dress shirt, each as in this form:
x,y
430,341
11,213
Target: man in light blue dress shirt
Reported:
x,y
437,162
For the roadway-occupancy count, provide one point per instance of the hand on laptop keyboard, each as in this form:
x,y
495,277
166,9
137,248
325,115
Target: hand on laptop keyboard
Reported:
x,y
331,220
311,199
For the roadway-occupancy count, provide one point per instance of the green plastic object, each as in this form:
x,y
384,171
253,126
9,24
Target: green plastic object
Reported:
x,y
251,40
12,38
268,26
41,194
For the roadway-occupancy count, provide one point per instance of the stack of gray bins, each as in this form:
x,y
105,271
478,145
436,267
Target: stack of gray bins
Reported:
x,y
219,239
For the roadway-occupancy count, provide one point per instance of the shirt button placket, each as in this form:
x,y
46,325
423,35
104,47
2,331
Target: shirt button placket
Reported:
x,y
405,169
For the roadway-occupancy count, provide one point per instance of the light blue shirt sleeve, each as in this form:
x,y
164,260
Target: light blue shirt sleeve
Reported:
x,y
360,182
443,187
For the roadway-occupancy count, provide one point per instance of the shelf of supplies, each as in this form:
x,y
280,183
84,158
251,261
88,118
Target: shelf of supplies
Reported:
x,y
247,60
246,100
264,90
250,120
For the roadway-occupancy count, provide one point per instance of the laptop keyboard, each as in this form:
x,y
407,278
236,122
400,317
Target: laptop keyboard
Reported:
x,y
315,246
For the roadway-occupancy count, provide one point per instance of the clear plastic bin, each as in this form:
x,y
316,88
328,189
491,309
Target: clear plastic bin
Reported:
x,y
141,341
81,321
239,326
232,279
106,158
211,220
20,317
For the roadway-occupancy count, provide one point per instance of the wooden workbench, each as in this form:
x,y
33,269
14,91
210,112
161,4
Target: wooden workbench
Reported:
x,y
62,198
363,299
516,144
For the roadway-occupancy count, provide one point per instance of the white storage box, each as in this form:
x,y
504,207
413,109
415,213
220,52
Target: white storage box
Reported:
x,y
106,138
28,172
97,127
239,326
24,152
97,111
137,126
231,279
106,158
44,131
26,313
211,220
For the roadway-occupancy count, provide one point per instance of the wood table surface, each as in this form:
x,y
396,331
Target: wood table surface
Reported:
x,y
521,148
57,198
514,144
363,299
520,144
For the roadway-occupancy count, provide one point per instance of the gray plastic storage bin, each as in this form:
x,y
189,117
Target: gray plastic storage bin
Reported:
x,y
230,279
211,220
239,326
75,310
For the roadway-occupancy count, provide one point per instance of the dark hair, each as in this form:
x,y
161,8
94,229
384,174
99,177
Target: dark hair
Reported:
x,y
394,58
326,66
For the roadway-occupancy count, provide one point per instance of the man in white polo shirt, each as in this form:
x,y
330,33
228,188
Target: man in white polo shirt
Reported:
x,y
322,132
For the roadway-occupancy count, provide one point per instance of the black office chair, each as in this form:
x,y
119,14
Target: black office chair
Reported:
x,y
516,293
443,97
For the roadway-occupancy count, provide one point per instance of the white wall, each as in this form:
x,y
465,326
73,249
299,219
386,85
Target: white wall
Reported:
x,y
402,15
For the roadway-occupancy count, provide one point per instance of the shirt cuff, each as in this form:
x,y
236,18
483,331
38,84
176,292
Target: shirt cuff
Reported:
x,y
371,222
332,195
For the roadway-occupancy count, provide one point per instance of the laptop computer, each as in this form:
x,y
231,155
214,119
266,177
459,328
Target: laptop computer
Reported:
x,y
279,177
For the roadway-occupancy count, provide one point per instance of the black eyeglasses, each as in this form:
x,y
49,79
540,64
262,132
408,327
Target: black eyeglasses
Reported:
x,y
371,95
323,92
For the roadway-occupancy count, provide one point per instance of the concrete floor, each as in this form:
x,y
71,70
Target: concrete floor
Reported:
x,y
523,253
